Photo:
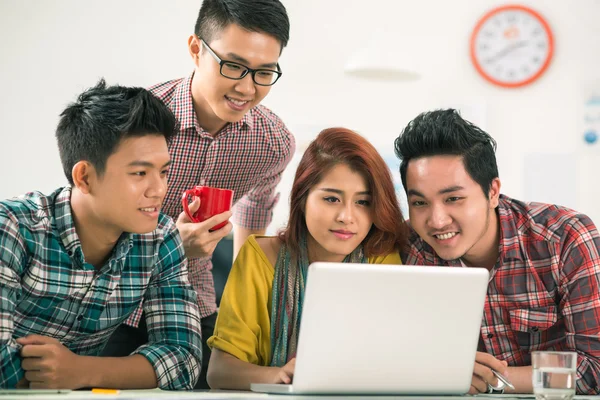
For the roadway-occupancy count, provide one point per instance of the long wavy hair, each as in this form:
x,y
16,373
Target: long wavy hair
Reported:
x,y
335,146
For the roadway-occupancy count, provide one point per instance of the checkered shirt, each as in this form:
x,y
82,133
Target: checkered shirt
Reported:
x,y
47,288
247,157
545,288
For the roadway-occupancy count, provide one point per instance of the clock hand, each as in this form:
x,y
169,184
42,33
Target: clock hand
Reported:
x,y
508,49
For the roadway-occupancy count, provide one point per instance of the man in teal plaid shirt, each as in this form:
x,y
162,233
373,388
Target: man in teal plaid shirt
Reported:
x,y
76,263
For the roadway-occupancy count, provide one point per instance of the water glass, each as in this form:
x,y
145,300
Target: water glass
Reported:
x,y
554,374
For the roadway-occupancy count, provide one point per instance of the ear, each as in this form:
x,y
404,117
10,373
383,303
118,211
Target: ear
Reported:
x,y
494,194
195,48
84,175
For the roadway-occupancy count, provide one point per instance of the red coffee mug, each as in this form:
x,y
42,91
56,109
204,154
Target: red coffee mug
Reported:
x,y
213,201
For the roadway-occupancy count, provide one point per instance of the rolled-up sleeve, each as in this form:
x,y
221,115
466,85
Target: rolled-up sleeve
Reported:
x,y
580,304
12,251
255,210
174,335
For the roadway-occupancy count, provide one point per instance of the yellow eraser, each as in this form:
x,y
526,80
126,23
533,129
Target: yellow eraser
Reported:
x,y
105,391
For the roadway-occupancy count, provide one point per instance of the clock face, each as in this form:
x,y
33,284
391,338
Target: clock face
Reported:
x,y
511,46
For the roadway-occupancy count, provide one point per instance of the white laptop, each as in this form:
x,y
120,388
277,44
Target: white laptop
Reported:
x,y
387,329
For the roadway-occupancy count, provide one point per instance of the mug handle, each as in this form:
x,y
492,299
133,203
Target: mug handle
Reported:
x,y
186,204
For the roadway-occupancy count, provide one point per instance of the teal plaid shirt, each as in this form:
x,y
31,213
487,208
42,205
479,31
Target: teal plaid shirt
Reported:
x,y
47,288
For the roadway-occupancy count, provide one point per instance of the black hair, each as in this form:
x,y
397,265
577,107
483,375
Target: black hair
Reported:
x,y
445,132
268,16
94,125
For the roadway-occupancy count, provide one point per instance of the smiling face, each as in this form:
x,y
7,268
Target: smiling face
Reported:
x,y
449,210
217,99
128,196
338,214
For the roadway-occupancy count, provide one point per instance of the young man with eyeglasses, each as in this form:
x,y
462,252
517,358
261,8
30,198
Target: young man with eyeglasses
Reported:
x,y
226,139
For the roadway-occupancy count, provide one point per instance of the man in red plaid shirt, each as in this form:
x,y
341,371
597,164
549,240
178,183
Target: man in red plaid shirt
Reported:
x,y
226,140
544,261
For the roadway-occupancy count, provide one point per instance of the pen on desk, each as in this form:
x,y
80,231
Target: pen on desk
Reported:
x,y
105,391
503,379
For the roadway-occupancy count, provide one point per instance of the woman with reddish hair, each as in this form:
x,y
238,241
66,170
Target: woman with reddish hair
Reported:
x,y
343,208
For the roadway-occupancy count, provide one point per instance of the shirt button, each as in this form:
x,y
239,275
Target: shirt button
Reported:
x,y
490,335
79,317
70,252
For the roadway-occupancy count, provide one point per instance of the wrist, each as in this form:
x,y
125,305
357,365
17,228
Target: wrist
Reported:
x,y
272,375
87,378
520,377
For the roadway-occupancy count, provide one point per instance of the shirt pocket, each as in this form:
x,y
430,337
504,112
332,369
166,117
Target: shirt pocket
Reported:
x,y
44,307
533,326
44,294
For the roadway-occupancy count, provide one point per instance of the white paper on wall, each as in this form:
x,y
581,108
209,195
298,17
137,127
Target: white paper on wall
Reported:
x,y
551,178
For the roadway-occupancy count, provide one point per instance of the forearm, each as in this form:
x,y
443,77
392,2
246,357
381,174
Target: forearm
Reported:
x,y
240,235
227,372
520,377
174,348
11,371
131,372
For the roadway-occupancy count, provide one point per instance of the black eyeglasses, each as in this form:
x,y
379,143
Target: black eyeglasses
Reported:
x,y
233,70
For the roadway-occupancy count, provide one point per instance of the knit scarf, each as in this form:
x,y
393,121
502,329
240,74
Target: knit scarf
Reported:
x,y
288,297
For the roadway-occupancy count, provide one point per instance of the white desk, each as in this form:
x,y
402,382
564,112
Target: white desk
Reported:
x,y
235,395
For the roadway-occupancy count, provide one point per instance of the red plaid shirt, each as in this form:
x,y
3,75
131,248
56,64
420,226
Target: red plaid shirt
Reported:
x,y
544,292
247,157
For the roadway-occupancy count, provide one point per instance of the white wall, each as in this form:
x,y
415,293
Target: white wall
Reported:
x,y
52,49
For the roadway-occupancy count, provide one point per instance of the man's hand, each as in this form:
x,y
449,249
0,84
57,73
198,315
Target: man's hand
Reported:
x,y
48,364
482,372
284,374
198,241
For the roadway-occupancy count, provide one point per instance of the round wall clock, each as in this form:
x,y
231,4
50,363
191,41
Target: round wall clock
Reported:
x,y
511,46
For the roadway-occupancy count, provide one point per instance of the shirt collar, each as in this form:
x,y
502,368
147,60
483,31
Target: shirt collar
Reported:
x,y
183,106
183,109
510,241
65,226
246,121
509,246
